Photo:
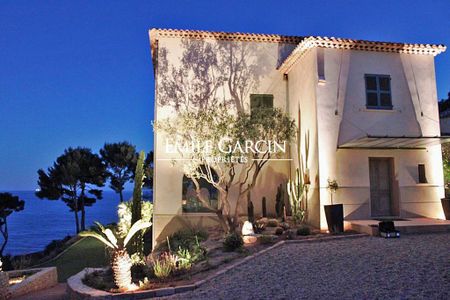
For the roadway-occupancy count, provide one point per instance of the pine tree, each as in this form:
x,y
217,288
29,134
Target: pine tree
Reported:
x,y
120,160
74,178
8,205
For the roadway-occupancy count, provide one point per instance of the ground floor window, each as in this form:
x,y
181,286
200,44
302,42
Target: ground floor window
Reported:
x,y
191,203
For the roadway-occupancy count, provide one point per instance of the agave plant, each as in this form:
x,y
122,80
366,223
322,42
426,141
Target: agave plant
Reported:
x,y
121,261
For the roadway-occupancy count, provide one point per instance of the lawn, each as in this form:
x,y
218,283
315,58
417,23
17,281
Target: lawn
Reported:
x,y
88,252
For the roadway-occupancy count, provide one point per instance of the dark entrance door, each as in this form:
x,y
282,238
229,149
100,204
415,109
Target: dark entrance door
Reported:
x,y
381,202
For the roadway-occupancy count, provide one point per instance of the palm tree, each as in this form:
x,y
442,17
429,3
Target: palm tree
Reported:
x,y
121,261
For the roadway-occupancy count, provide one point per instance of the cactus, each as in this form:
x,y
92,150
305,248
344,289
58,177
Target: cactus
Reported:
x,y
297,187
137,246
250,209
264,208
279,202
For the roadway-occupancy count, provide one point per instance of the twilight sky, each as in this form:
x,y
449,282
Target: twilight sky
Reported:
x,y
79,73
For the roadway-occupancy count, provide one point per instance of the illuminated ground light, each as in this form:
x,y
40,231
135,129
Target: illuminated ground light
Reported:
x,y
16,280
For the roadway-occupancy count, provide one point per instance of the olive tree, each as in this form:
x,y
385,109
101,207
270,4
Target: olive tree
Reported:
x,y
226,155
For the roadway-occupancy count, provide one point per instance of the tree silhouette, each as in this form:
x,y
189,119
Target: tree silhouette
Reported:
x,y
209,72
444,104
243,64
148,171
120,159
8,205
73,178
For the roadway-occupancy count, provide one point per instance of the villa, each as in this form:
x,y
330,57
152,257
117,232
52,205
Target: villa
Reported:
x,y
369,108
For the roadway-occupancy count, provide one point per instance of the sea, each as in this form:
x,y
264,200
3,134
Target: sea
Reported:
x,y
42,221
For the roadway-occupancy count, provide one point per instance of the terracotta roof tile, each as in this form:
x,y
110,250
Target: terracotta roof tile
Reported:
x,y
304,43
156,33
338,43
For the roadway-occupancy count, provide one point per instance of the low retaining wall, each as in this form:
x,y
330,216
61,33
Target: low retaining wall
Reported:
x,y
77,290
42,278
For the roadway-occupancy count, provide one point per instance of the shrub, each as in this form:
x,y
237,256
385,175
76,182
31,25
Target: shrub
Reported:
x,y
6,263
259,227
290,234
141,271
100,280
284,225
52,246
56,245
21,262
279,231
272,223
279,202
303,230
164,265
124,213
233,241
145,284
186,238
265,239
185,259
198,252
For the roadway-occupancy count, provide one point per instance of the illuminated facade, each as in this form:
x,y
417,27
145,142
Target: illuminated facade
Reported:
x,y
370,109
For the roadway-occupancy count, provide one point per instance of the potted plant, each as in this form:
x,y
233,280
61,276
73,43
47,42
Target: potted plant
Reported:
x,y
446,203
334,213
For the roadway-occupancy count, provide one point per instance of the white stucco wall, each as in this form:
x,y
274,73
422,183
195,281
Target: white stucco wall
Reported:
x,y
414,199
168,215
351,167
357,121
334,112
302,95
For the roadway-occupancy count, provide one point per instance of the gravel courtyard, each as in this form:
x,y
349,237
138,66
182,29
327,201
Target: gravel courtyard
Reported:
x,y
412,267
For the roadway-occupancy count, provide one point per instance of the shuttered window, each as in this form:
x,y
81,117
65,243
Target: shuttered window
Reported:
x,y
258,101
378,92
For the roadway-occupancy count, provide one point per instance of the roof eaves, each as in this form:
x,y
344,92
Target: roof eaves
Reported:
x,y
224,36
349,44
156,33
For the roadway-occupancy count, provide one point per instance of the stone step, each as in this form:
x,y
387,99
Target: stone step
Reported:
x,y
406,226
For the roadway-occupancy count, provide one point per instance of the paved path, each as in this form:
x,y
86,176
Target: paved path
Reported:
x,y
412,267
57,292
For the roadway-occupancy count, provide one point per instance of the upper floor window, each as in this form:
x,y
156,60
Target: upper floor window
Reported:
x,y
258,101
378,91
